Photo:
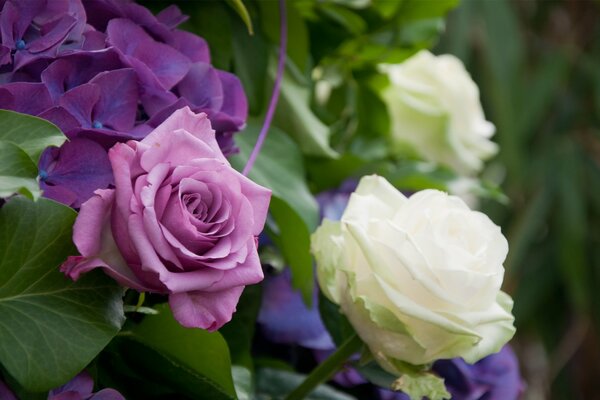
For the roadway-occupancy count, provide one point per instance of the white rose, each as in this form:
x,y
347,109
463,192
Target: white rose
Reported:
x,y
419,278
435,109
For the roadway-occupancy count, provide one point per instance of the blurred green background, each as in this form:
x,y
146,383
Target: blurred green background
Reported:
x,y
537,63
538,67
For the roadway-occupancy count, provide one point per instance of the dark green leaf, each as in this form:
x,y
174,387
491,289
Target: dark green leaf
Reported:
x,y
278,167
198,361
336,323
275,384
251,58
51,327
297,34
294,243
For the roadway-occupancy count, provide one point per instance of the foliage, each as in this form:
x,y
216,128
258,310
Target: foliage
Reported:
x,y
539,83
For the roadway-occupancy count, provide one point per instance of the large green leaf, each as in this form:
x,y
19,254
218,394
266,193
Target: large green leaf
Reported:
x,y
279,167
193,361
295,117
250,57
17,172
50,327
294,242
32,134
297,32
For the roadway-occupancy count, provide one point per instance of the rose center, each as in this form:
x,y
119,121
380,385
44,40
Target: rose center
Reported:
x,y
195,206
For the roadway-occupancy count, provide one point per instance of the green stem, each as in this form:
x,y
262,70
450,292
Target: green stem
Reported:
x,y
326,369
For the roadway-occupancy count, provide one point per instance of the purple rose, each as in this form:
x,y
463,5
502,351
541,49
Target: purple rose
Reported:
x,y
180,221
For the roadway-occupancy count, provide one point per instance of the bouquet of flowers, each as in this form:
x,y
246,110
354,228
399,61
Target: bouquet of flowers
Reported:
x,y
167,181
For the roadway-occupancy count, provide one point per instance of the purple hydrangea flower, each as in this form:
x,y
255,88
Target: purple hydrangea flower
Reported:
x,y
496,377
109,71
80,388
6,393
74,171
35,29
285,318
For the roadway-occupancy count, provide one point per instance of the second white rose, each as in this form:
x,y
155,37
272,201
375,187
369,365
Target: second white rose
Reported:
x,y
435,110
419,278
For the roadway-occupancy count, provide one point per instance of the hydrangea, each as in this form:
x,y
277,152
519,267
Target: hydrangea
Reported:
x,y
107,71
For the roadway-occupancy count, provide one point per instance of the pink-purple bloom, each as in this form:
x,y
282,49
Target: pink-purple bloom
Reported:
x,y
110,71
179,221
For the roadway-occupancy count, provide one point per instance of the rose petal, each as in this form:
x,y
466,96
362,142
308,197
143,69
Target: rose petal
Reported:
x,y
205,310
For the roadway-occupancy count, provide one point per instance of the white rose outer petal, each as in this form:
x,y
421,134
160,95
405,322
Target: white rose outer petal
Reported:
x,y
418,278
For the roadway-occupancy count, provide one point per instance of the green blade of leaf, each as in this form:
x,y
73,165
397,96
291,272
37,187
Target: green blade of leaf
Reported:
x,y
51,327
240,9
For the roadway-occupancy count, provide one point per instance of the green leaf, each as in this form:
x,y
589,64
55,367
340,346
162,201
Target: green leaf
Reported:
x,y
348,19
251,56
295,117
244,385
279,167
418,386
240,9
275,384
197,361
31,134
51,327
17,172
419,9
387,8
336,323
294,243
239,332
297,32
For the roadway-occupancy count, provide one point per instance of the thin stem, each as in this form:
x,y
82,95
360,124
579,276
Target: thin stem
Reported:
x,y
329,367
276,89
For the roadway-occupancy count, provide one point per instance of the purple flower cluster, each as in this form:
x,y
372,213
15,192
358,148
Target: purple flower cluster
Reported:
x,y
106,71
79,388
